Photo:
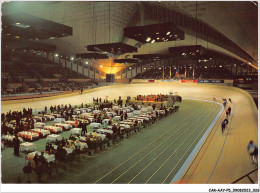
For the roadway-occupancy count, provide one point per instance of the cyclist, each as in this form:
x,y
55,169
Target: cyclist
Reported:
x,y
253,151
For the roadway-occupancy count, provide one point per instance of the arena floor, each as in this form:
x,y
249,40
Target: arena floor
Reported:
x,y
158,154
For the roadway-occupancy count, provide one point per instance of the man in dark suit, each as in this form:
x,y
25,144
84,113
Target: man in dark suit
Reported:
x,y
16,142
84,129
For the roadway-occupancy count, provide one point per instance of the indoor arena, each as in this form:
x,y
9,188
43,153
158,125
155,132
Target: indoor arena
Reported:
x,y
117,92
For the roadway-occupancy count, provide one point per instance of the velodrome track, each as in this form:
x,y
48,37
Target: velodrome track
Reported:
x,y
221,159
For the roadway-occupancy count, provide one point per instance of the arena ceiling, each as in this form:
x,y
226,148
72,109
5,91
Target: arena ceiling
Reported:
x,y
103,22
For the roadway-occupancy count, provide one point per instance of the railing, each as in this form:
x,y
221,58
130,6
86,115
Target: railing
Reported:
x,y
247,175
29,94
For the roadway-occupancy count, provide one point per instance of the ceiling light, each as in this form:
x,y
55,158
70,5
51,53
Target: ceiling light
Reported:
x,y
168,33
130,68
158,38
234,64
56,55
148,39
157,33
183,54
16,37
206,67
86,62
152,41
160,68
197,50
17,23
220,66
145,68
175,35
101,66
51,38
72,58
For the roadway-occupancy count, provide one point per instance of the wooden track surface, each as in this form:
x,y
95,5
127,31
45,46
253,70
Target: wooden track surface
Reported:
x,y
222,159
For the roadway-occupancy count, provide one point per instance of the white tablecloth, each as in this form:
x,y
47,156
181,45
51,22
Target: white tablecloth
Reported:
x,y
59,120
130,115
115,107
53,137
43,132
10,138
88,110
97,134
150,108
83,145
95,125
144,109
124,125
73,123
105,121
53,129
39,125
63,125
137,112
28,135
96,111
104,131
75,131
111,113
48,157
86,114
117,118
50,117
27,147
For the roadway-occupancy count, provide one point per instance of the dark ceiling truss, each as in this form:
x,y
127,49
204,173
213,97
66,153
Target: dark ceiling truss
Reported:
x,y
190,26
112,48
161,32
25,26
91,56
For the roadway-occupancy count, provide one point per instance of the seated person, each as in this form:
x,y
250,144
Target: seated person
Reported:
x,y
36,159
52,150
47,148
63,142
42,159
71,137
67,145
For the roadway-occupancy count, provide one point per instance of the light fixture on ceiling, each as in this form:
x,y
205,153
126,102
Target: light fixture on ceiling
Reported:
x,y
86,62
152,41
220,66
101,66
157,33
158,38
72,58
168,33
148,39
56,55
